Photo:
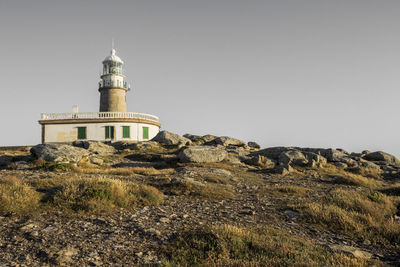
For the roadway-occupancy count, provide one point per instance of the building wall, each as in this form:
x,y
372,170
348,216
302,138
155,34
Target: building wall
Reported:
x,y
59,133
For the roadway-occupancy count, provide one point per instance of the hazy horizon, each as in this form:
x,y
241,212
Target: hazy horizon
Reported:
x,y
281,73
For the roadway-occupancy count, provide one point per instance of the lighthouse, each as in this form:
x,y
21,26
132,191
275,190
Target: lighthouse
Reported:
x,y
111,123
113,86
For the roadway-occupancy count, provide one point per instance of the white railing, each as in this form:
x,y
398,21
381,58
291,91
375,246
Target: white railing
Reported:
x,y
98,115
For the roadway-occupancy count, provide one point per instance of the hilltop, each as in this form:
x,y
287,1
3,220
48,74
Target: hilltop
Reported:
x,y
198,200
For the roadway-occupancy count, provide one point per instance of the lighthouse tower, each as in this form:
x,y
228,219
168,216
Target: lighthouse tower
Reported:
x,y
113,86
112,123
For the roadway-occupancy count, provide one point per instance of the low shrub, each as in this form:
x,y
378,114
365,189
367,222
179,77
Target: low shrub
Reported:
x,y
366,172
95,194
292,189
54,166
17,197
359,214
344,177
228,245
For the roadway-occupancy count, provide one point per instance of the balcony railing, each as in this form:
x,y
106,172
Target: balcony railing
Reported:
x,y
98,115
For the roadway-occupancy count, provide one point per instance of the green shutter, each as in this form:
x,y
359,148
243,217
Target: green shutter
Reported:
x,y
145,132
109,132
126,132
81,132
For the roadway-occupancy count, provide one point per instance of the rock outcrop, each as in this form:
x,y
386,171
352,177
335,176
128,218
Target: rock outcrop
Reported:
x,y
228,141
292,157
202,154
168,138
59,153
382,157
95,147
254,145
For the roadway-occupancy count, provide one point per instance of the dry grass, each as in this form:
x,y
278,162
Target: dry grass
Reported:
x,y
366,172
73,194
292,189
228,245
17,197
289,192
343,177
88,168
359,214
217,179
95,194
122,171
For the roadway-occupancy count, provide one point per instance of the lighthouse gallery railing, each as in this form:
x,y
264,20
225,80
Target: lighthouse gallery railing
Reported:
x,y
98,115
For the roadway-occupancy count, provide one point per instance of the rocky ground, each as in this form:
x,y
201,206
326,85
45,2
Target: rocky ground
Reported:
x,y
205,181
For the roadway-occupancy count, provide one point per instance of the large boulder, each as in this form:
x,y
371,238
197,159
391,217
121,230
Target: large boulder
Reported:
x,y
5,160
59,153
314,160
272,152
368,164
382,156
202,154
208,137
333,155
169,138
259,160
95,147
228,141
192,137
197,139
253,145
292,157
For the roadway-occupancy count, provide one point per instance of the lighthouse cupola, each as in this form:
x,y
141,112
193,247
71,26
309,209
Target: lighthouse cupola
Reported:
x,y
113,86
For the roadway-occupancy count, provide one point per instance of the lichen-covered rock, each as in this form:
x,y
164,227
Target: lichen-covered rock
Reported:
x,y
368,164
356,252
169,138
5,160
272,152
208,137
314,160
228,141
333,155
197,139
202,154
292,157
340,165
147,146
259,160
59,153
192,137
96,147
382,156
253,145
283,169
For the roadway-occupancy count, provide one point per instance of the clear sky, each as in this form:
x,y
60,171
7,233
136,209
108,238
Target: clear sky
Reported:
x,y
293,73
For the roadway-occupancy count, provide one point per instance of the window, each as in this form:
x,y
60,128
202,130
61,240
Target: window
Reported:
x,y
109,132
81,132
126,133
145,132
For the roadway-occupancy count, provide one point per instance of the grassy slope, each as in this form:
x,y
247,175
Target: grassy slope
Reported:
x,y
357,205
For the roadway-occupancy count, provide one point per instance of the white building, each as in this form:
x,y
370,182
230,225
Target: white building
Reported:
x,y
112,123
